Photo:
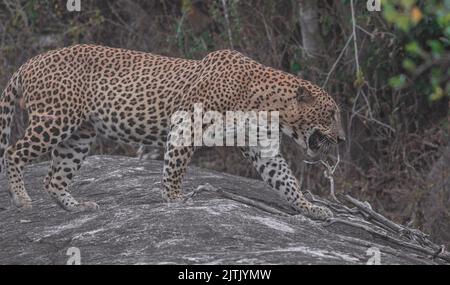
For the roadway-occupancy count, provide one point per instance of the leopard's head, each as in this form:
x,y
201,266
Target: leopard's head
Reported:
x,y
311,117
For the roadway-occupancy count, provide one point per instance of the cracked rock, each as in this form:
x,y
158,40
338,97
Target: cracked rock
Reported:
x,y
135,226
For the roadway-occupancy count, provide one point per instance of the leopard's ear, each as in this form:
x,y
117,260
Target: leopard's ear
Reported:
x,y
304,96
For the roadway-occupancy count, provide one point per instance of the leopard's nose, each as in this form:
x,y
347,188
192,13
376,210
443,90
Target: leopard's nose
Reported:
x,y
340,139
340,135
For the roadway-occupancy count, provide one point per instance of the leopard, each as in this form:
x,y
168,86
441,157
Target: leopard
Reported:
x,y
74,94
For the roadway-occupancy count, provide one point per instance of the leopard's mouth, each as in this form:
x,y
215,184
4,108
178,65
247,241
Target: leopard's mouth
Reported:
x,y
318,143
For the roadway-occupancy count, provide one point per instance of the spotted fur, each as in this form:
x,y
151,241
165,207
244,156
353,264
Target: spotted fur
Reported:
x,y
75,93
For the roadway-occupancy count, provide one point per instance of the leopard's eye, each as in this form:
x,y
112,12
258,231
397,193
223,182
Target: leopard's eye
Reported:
x,y
304,96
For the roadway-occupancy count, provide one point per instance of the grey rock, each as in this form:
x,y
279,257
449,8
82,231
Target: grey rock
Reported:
x,y
135,226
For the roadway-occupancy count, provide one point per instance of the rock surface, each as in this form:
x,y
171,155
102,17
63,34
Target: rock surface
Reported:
x,y
135,226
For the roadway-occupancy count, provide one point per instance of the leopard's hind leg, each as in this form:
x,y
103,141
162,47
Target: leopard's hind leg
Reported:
x,y
67,158
41,135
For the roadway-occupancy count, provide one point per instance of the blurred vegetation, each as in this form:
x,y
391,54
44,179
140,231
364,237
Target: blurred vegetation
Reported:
x,y
388,70
425,31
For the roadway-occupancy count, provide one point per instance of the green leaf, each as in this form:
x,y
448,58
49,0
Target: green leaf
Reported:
x,y
447,31
408,64
186,5
407,4
359,81
295,67
398,81
402,22
389,12
436,47
437,94
413,48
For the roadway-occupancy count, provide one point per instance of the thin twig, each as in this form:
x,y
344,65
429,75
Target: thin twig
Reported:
x,y
354,38
337,60
365,31
227,21
238,198
365,207
328,173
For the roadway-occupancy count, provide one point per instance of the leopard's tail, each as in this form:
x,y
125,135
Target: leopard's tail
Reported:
x,y
8,99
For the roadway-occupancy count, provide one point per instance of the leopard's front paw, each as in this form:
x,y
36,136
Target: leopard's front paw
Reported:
x,y
86,207
176,197
313,211
320,213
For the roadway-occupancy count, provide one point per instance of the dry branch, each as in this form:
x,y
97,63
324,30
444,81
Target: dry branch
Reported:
x,y
328,173
238,198
361,217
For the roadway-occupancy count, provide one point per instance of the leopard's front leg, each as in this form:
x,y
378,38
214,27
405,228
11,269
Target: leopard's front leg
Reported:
x,y
276,172
176,160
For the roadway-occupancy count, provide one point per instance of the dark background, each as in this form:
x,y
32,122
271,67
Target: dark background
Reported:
x,y
388,70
